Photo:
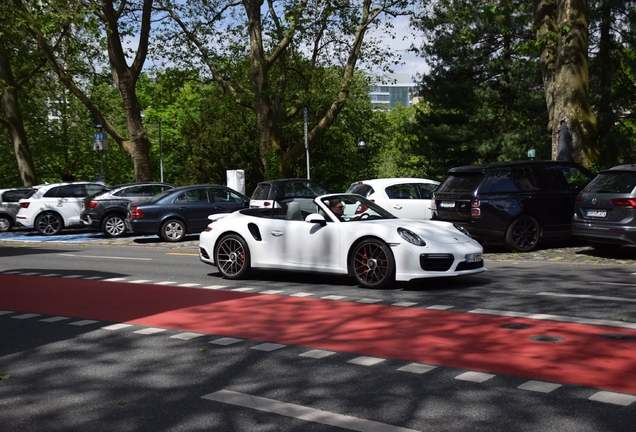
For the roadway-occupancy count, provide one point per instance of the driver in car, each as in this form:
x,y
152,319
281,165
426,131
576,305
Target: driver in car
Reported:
x,y
337,208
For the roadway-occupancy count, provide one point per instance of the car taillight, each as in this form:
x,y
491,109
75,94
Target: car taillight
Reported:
x,y
208,228
25,204
629,203
577,200
90,205
475,210
267,204
136,213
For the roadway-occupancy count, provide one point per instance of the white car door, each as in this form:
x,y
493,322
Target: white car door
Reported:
x,y
306,244
69,203
404,202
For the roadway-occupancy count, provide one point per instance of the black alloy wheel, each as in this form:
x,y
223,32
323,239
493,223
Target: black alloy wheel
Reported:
x,y
373,264
114,226
232,257
173,230
49,224
523,234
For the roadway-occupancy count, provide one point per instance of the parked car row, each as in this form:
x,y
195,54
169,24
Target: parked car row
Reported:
x,y
518,203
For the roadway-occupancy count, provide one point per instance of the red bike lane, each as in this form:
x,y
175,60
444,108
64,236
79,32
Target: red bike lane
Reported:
x,y
586,355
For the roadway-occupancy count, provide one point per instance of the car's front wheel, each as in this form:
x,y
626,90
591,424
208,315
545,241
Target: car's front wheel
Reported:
x,y
114,226
523,234
5,223
173,230
232,257
373,264
49,224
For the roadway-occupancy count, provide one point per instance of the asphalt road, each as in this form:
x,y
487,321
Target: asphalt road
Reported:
x,y
161,371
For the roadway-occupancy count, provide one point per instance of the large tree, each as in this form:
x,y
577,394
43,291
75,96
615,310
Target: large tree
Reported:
x,y
562,31
13,119
286,41
482,98
119,22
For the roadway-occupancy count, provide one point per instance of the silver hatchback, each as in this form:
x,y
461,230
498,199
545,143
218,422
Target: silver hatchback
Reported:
x,y
605,211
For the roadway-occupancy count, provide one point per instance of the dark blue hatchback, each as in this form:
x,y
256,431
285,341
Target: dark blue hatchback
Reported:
x,y
183,210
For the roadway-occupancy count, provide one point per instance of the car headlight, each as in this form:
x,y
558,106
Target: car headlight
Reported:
x,y
462,230
411,237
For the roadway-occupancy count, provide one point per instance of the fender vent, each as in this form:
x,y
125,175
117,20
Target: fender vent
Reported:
x,y
256,233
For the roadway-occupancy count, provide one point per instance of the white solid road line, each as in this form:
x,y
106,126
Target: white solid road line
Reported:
x,y
587,296
301,412
107,257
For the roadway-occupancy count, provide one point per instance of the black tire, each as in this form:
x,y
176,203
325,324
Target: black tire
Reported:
x,y
49,223
232,257
605,247
5,223
114,226
173,230
523,234
372,264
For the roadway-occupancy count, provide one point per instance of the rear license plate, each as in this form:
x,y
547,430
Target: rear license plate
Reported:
x,y
447,204
476,257
595,213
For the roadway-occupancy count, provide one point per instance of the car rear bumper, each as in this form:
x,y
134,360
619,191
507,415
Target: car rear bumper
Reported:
x,y
604,233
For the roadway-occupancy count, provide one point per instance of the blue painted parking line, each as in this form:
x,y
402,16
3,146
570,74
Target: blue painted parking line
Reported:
x,y
66,237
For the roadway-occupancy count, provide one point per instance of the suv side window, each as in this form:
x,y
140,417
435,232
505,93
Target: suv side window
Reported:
x,y
14,196
546,178
137,191
72,191
508,180
261,192
575,178
51,193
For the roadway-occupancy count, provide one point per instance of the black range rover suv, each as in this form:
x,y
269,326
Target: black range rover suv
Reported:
x,y
517,203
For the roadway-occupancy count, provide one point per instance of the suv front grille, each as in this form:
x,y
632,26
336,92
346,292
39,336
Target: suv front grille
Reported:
x,y
436,262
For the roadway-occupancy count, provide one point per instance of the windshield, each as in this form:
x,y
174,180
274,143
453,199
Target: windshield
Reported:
x,y
353,207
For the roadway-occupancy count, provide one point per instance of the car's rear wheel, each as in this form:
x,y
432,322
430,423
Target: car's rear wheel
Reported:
x,y
49,224
173,230
373,264
5,223
605,247
114,226
523,234
232,257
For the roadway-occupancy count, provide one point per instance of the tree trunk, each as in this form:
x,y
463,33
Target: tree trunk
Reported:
x,y
564,64
14,121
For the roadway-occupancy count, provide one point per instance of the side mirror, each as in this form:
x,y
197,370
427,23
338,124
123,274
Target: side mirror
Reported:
x,y
316,219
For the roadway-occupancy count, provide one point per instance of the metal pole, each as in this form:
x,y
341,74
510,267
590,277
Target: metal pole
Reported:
x,y
306,143
160,154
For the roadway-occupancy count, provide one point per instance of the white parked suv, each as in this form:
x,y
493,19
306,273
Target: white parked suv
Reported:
x,y
57,205
406,198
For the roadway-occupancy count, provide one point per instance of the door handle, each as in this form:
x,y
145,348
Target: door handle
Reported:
x,y
183,208
277,233
397,207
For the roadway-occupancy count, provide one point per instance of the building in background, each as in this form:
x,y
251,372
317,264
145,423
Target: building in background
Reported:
x,y
393,89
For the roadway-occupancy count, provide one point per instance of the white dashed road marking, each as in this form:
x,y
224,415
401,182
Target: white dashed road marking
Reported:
x,y
477,377
268,347
150,331
539,386
417,368
301,412
317,354
55,319
366,361
225,341
613,398
106,257
116,326
187,336
587,296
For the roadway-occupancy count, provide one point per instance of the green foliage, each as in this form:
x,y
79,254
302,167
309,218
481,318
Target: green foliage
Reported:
x,y
484,98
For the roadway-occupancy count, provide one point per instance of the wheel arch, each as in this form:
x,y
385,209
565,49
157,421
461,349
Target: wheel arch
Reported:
x,y
357,242
171,217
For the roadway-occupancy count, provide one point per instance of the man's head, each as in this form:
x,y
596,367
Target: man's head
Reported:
x,y
336,206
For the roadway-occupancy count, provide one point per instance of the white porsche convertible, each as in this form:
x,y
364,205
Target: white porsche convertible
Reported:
x,y
340,234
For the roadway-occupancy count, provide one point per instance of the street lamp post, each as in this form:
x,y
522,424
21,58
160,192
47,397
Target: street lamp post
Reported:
x,y
363,146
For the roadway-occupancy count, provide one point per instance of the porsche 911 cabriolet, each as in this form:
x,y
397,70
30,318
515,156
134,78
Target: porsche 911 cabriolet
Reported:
x,y
339,234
